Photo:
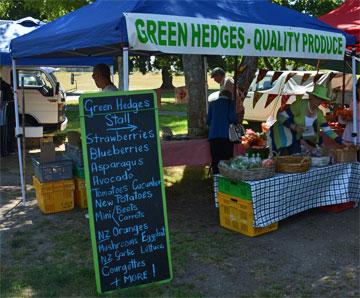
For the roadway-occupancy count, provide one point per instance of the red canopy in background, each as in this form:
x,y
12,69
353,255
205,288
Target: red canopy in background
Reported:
x,y
347,18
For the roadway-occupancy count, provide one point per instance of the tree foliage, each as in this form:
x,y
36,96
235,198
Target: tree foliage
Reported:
x,y
16,9
47,10
315,8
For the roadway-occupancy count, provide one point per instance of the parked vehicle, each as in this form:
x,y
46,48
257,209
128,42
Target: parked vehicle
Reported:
x,y
44,97
298,85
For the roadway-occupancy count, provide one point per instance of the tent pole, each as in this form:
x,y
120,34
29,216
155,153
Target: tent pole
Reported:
x,y
343,85
206,84
354,133
112,73
17,131
126,68
23,128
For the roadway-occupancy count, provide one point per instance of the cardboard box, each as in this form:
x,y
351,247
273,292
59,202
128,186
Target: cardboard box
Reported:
x,y
74,138
47,148
181,94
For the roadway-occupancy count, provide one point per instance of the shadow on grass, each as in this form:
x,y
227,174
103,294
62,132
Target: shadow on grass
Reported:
x,y
50,255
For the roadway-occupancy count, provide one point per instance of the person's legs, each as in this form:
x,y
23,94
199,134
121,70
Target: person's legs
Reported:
x,y
228,150
215,150
221,149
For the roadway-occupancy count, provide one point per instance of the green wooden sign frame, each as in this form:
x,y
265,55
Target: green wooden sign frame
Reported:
x,y
90,200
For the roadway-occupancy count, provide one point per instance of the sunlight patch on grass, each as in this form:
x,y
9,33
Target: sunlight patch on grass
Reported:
x,y
168,97
27,292
178,124
73,120
173,175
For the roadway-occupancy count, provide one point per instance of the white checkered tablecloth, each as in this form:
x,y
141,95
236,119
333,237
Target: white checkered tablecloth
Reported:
x,y
287,194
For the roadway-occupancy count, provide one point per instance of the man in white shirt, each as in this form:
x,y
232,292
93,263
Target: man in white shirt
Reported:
x,y
101,76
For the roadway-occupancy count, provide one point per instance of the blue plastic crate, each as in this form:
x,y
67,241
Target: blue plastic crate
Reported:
x,y
74,153
60,169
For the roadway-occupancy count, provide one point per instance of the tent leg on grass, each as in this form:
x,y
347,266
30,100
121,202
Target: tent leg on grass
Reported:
x,y
354,134
126,68
17,131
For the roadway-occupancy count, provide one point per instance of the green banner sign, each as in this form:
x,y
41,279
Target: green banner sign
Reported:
x,y
187,35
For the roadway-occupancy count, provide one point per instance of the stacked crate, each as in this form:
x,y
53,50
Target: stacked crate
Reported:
x,y
235,208
74,152
54,184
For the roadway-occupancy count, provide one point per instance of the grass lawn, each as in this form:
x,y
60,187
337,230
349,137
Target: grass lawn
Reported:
x,y
178,124
137,81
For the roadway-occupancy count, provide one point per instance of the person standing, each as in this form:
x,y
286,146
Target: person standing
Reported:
x,y
301,122
101,76
227,83
220,115
349,125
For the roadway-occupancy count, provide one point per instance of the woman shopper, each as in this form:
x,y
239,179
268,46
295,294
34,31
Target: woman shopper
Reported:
x,y
349,125
302,122
220,115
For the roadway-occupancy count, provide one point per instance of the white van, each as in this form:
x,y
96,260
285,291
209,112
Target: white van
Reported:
x,y
44,98
265,89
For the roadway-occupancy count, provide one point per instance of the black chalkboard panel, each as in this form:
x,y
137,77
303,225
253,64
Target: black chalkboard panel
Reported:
x,y
125,189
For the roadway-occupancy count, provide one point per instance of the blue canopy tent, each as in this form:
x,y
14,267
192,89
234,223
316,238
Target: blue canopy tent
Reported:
x,y
226,27
100,29
12,29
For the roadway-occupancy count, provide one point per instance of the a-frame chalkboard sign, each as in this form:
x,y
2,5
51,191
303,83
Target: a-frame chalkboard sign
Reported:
x,y
125,189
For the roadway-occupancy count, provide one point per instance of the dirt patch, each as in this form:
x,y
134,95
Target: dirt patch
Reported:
x,y
312,254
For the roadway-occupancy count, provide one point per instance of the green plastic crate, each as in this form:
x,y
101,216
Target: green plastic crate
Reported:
x,y
78,172
238,189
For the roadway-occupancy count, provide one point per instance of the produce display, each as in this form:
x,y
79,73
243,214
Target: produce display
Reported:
x,y
336,125
246,162
247,168
345,114
307,150
338,118
253,139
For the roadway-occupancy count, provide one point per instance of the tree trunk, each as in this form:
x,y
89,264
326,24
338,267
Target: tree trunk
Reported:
x,y
120,67
195,82
283,64
167,80
249,64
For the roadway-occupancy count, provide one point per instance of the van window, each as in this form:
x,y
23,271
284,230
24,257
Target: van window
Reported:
x,y
52,75
33,79
264,84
